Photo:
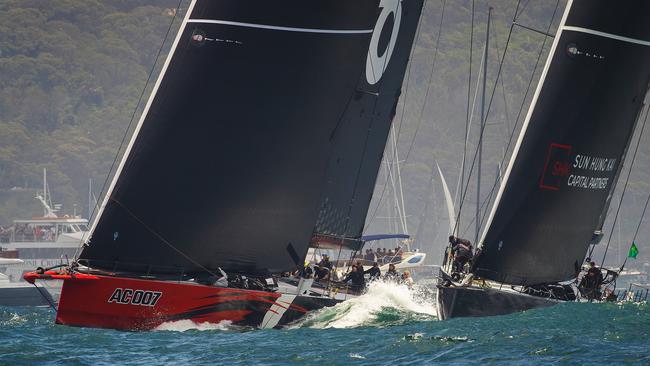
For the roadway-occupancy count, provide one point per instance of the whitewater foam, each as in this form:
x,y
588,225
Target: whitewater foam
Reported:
x,y
185,325
385,303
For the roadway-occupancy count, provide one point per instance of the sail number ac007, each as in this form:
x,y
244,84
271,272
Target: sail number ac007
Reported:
x,y
134,297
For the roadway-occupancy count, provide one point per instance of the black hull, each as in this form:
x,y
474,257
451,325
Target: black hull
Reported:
x,y
21,295
472,301
308,303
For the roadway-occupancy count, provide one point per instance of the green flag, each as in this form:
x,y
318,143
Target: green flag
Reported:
x,y
633,251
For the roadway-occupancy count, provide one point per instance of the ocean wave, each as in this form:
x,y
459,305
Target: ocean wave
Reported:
x,y
384,304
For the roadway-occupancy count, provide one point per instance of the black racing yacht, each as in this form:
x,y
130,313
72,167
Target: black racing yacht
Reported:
x,y
553,198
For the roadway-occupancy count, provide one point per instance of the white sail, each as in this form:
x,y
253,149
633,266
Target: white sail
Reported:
x,y
450,203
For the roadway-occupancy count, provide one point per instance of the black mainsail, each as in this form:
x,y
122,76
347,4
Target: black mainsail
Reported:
x,y
564,167
266,119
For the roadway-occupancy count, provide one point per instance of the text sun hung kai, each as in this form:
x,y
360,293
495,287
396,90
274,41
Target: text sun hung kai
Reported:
x,y
578,171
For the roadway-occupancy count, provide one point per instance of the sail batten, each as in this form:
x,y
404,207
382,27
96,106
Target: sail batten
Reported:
x,y
570,151
606,35
281,28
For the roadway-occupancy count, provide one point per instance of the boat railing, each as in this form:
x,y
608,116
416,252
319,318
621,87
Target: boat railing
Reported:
x,y
501,278
139,269
634,293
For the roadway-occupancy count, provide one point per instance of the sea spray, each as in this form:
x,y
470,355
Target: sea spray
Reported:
x,y
185,325
385,303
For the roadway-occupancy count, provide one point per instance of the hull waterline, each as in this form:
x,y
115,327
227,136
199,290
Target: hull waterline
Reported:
x,y
135,304
474,301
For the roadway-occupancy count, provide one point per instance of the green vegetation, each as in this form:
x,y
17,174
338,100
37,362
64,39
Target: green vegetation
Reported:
x,y
71,73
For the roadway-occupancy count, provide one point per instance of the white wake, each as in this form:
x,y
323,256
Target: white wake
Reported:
x,y
385,303
185,325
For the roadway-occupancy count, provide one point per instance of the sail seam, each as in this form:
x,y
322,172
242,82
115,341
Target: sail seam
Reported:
x,y
607,35
282,28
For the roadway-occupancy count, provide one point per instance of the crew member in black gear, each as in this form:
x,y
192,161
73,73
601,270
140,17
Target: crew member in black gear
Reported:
x,y
305,271
591,282
356,277
321,273
374,272
325,262
462,251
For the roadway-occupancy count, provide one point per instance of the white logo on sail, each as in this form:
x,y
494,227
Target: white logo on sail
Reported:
x,y
375,64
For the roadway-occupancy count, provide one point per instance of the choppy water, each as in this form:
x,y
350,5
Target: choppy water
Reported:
x,y
389,325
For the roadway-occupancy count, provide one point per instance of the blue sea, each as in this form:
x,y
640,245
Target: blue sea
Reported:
x,y
391,326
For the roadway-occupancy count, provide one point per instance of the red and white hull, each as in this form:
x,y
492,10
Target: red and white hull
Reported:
x,y
136,304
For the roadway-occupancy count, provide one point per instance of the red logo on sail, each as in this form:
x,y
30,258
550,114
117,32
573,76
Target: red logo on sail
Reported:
x,y
557,166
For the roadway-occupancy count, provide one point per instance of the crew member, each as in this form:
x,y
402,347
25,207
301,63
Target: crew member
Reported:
x,y
321,273
306,271
592,281
374,272
356,277
462,251
325,262
391,274
407,279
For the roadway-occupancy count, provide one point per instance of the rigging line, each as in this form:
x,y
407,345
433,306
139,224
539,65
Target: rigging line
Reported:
x,y
400,213
645,207
523,103
641,219
376,210
635,233
535,30
161,238
47,298
401,121
433,67
408,73
469,125
507,127
467,111
523,8
484,206
536,64
503,90
494,89
627,179
465,190
399,183
128,127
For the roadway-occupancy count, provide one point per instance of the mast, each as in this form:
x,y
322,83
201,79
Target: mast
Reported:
x,y
90,197
399,182
481,129
45,211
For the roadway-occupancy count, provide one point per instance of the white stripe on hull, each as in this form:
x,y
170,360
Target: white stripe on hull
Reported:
x,y
276,311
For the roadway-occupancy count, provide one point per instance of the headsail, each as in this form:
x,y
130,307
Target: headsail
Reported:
x,y
229,161
361,134
572,144
450,204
